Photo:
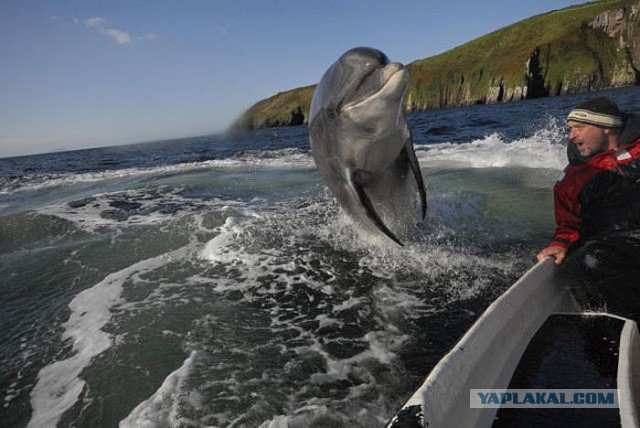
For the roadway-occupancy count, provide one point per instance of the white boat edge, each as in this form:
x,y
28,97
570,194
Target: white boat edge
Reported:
x,y
629,375
487,355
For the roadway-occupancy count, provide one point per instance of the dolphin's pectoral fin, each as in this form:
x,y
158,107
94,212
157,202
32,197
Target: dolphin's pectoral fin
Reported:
x,y
356,184
417,174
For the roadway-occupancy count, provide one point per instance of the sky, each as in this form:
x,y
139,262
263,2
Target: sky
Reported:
x,y
80,74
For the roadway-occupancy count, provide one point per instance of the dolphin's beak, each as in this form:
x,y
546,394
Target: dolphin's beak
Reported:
x,y
395,78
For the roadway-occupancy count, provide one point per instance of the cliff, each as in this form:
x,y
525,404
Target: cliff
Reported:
x,y
582,48
283,109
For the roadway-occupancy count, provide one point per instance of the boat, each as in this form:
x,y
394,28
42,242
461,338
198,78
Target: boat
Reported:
x,y
533,336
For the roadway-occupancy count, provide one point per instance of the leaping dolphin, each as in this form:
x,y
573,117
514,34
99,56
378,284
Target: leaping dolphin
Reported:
x,y
362,144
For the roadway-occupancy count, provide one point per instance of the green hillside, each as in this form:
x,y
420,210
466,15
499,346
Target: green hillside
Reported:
x,y
277,110
578,49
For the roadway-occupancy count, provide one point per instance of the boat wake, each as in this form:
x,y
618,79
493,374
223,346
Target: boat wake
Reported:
x,y
234,292
285,297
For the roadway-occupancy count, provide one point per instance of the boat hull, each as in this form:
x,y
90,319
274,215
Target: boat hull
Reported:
x,y
488,354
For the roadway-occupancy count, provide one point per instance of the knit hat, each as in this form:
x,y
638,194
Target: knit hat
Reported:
x,y
600,112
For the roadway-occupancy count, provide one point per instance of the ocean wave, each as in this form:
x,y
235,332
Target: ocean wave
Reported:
x,y
59,384
289,158
327,319
160,409
545,149
136,207
329,308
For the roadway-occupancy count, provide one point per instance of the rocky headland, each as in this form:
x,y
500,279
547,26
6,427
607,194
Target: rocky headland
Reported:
x,y
582,48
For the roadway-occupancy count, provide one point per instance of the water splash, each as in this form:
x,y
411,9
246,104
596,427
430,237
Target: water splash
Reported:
x,y
546,148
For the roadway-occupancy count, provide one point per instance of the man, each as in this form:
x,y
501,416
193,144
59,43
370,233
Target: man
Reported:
x,y
597,202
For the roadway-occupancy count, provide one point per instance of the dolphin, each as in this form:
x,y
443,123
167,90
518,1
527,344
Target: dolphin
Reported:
x,y
362,144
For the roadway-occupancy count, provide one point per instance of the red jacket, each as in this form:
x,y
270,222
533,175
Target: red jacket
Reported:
x,y
598,196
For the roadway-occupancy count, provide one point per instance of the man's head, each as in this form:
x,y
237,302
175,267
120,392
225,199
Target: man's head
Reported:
x,y
595,126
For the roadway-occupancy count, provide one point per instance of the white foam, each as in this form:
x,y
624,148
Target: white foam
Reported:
x,y
542,150
394,299
59,384
219,249
161,409
348,304
591,261
90,216
300,418
231,248
398,303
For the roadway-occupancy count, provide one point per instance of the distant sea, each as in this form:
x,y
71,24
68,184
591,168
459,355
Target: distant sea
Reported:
x,y
214,281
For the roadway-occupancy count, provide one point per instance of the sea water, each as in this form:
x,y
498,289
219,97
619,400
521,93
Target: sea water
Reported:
x,y
214,281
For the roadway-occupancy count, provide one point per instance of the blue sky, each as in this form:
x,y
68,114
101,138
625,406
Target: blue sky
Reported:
x,y
78,74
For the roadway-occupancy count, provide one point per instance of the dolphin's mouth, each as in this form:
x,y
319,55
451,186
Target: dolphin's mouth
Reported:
x,y
388,82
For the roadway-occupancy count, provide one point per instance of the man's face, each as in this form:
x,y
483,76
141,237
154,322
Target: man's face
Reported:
x,y
588,139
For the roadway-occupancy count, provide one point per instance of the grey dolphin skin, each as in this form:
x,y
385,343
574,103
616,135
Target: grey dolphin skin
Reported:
x,y
362,144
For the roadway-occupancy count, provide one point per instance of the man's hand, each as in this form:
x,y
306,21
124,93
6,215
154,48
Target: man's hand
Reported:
x,y
559,253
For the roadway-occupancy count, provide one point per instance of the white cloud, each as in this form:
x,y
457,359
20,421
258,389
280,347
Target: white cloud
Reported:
x,y
121,37
148,36
96,22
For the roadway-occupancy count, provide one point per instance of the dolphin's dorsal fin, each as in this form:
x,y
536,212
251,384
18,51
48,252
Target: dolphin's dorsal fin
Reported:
x,y
417,174
356,183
